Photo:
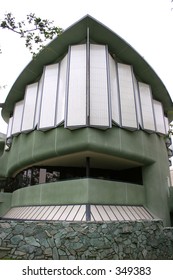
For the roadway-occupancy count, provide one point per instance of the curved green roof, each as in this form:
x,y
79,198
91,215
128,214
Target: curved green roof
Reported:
x,y
100,34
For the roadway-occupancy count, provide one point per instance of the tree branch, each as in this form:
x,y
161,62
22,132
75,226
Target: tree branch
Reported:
x,y
41,30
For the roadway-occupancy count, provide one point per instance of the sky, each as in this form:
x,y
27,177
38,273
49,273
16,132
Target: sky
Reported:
x,y
147,25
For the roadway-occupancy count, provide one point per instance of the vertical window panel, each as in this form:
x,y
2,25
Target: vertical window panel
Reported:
x,y
9,128
115,102
29,107
138,104
159,117
147,107
49,96
76,110
99,113
127,98
166,125
38,102
17,118
61,91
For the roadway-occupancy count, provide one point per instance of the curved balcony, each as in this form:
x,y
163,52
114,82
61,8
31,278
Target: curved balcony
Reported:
x,y
80,191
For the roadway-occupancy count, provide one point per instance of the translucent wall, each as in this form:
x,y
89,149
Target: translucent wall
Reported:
x,y
127,97
60,111
17,117
9,128
146,107
166,125
88,88
138,103
38,102
99,111
76,97
29,107
159,117
49,97
115,98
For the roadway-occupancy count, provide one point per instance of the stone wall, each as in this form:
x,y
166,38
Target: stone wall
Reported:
x,y
68,240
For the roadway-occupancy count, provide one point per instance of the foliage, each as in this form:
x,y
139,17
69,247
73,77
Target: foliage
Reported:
x,y
33,29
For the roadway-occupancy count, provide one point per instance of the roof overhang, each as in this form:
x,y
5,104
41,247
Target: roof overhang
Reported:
x,y
75,34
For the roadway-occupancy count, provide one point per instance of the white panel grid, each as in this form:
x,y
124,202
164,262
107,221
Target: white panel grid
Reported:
x,y
61,92
166,125
49,97
17,117
99,114
127,98
38,102
9,128
114,91
159,117
138,105
115,101
147,107
76,111
29,107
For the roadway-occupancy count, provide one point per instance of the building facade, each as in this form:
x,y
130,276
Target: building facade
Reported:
x,y
87,140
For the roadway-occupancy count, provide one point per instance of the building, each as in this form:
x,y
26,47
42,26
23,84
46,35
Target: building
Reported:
x,y
87,138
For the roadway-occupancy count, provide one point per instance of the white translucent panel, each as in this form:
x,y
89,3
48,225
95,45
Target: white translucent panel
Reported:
x,y
115,102
159,117
99,111
38,103
9,128
127,97
146,107
17,117
29,107
49,97
166,125
138,105
61,91
76,111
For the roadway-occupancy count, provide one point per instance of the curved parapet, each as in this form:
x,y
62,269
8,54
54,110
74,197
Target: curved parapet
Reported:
x,y
59,147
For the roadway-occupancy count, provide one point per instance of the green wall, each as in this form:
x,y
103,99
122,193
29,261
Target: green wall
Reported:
x,y
155,179
5,202
80,191
149,150
28,149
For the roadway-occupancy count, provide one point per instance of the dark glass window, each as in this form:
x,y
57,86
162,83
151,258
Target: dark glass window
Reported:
x,y
42,175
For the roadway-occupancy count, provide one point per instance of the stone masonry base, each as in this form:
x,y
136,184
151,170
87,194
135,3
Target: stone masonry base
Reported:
x,y
138,240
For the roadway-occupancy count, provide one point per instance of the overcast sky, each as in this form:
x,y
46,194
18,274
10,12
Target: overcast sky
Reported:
x,y
147,25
